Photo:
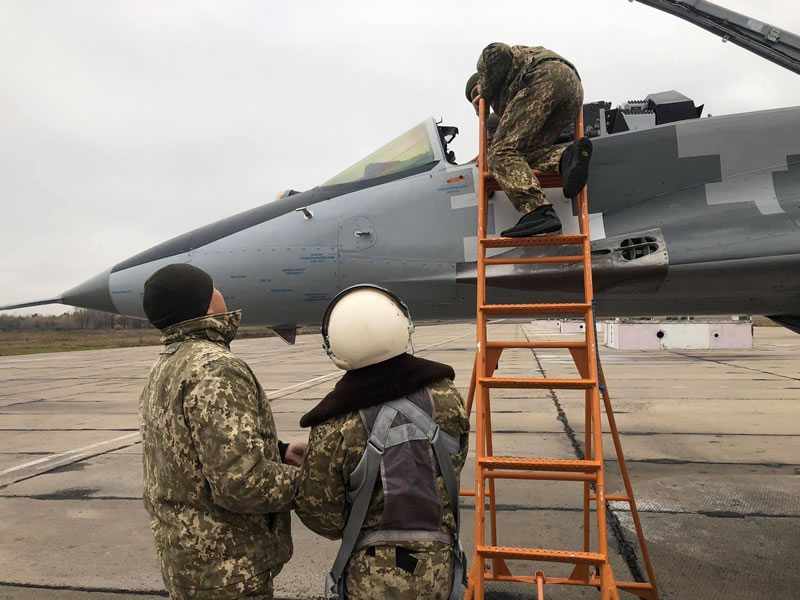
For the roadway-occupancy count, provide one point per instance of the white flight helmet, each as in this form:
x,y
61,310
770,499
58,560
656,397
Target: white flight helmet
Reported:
x,y
364,325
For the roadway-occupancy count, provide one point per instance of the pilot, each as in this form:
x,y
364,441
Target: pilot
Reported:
x,y
384,457
216,485
537,94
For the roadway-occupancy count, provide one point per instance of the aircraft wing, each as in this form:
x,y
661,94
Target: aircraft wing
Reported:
x,y
33,303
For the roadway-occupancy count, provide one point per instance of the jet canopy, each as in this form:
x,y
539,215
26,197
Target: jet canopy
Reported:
x,y
412,149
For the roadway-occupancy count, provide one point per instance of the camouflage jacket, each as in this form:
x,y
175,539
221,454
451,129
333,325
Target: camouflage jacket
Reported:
x,y
217,493
336,446
504,70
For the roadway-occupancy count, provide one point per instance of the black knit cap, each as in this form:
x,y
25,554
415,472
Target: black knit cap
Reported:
x,y
176,293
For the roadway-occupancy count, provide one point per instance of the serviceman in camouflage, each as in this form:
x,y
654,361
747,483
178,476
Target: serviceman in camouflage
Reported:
x,y
492,123
379,370
537,94
215,487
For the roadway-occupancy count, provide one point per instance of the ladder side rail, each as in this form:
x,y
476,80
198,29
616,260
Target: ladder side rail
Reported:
x,y
472,385
481,360
587,486
588,294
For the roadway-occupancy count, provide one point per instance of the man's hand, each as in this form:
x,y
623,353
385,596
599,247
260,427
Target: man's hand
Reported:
x,y
294,453
475,94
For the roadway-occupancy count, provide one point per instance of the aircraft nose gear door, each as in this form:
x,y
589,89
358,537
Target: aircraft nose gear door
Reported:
x,y
356,234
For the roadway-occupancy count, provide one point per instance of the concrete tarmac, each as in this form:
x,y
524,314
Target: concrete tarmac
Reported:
x,y
712,440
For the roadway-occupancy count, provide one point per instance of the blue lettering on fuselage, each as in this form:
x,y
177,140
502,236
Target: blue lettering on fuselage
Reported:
x,y
316,297
318,257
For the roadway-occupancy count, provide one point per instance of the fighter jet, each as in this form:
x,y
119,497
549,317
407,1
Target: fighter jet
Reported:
x,y
689,215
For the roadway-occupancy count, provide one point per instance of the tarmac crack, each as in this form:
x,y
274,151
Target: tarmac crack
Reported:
x,y
677,461
80,588
24,402
69,494
727,364
30,429
644,433
624,547
100,590
713,514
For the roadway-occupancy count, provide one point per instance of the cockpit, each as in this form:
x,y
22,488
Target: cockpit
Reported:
x,y
425,144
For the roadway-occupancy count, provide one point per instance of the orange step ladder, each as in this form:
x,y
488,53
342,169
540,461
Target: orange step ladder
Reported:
x,y
489,560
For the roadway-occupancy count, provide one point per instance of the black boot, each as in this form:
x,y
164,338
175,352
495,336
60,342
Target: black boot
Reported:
x,y
539,221
574,166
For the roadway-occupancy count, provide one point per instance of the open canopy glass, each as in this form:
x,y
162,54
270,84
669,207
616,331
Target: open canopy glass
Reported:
x,y
412,149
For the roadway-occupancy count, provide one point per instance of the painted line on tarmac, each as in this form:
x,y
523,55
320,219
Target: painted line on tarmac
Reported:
x,y
301,386
70,460
68,453
271,396
314,381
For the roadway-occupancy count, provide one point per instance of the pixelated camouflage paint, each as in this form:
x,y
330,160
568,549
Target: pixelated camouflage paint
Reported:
x,y
334,449
535,102
216,491
369,577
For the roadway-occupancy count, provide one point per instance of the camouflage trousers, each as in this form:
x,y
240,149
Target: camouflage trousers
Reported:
x,y
393,573
264,592
530,124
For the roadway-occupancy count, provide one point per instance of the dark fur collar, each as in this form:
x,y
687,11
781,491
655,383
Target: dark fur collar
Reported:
x,y
375,384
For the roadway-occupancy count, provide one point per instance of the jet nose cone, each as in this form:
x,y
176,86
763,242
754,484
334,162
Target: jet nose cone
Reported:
x,y
92,293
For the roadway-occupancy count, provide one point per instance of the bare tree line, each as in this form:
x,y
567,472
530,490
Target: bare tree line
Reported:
x,y
78,319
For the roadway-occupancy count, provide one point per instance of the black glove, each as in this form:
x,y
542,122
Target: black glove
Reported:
x,y
282,448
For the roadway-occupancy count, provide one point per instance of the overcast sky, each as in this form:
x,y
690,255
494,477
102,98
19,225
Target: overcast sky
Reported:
x,y
125,123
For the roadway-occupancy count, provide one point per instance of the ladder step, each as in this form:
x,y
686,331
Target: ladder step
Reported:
x,y
535,309
504,345
540,464
471,493
561,556
533,260
612,497
537,383
537,240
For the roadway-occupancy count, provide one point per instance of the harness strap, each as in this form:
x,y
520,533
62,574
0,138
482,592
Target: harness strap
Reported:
x,y
371,459
394,536
451,485
416,415
422,427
